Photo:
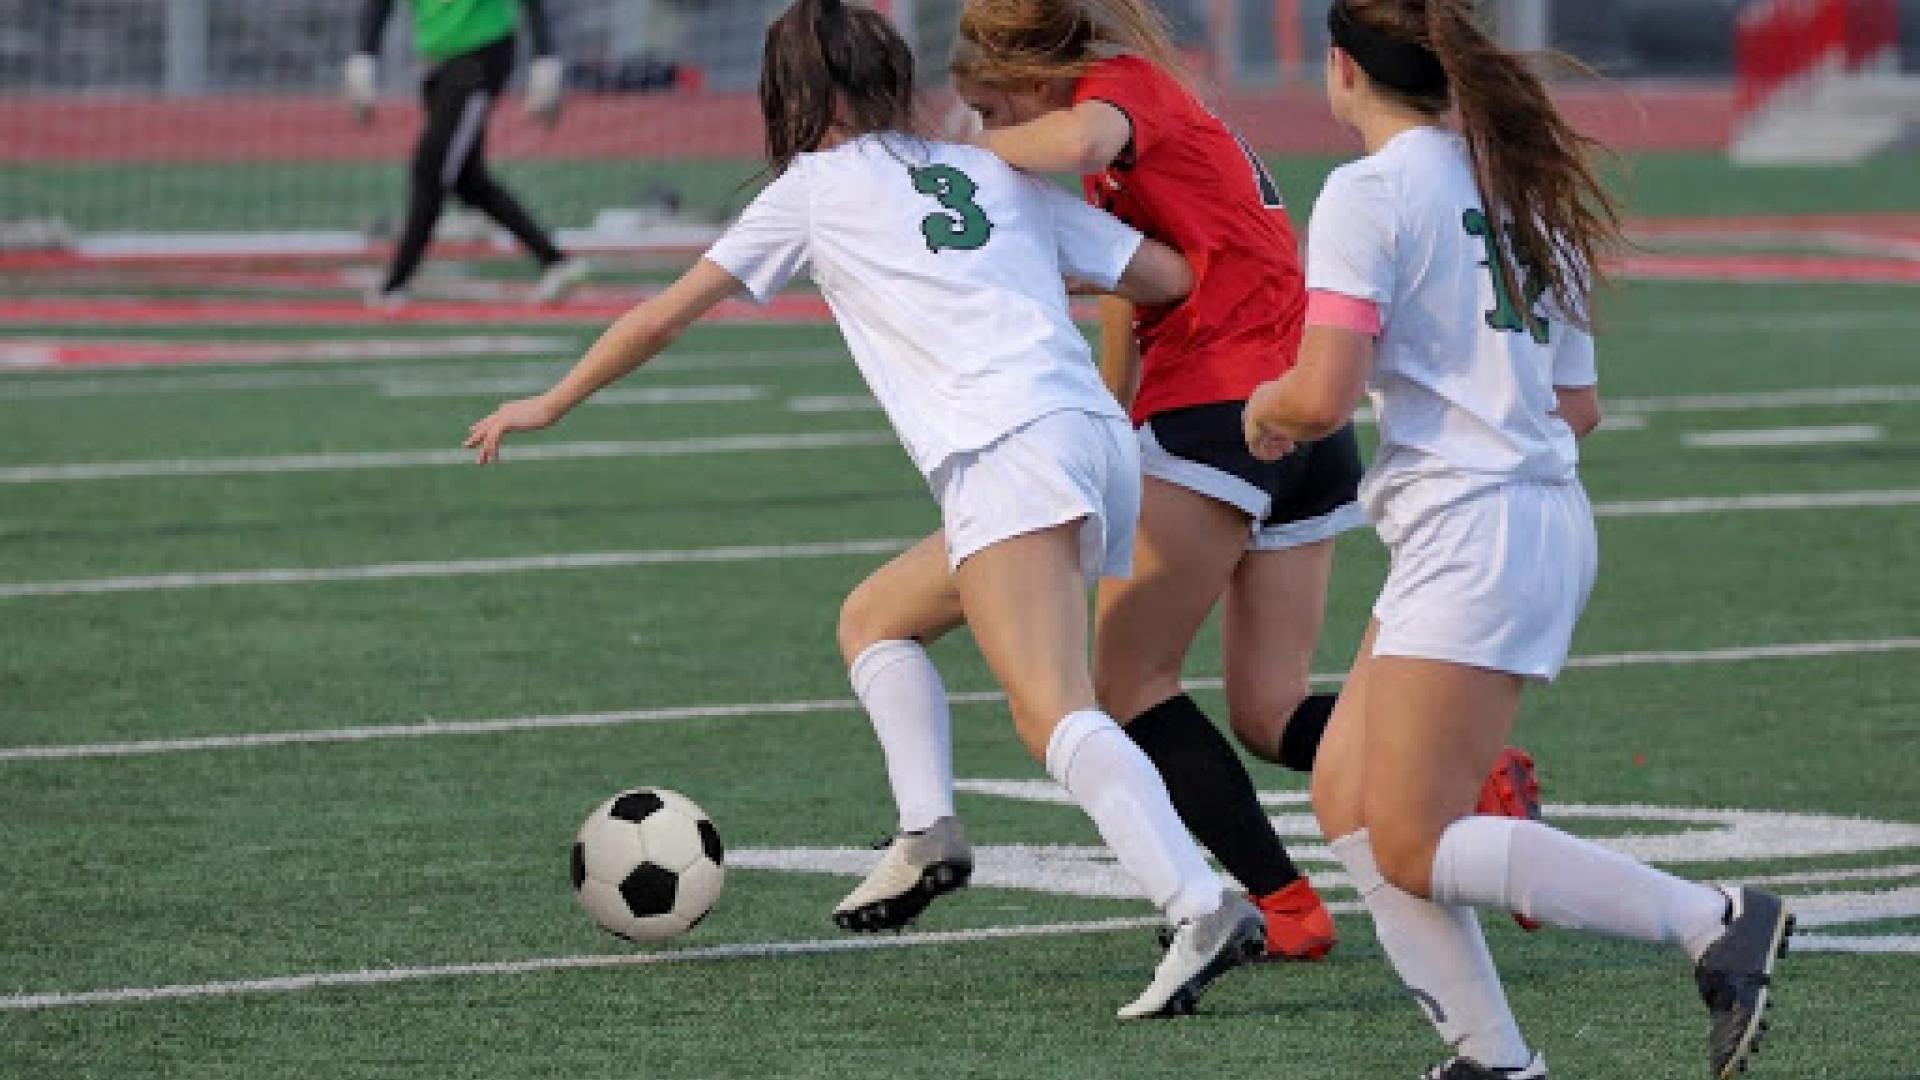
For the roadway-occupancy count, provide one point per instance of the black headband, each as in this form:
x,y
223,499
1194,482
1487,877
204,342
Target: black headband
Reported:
x,y
1396,65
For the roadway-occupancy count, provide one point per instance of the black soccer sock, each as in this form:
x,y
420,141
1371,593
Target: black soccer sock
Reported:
x,y
1308,725
1213,793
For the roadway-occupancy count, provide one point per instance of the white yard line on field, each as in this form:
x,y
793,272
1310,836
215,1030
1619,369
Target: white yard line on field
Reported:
x,y
1788,436
833,403
1810,397
678,714
591,559
771,950
81,382
616,395
381,976
408,459
1729,504
585,560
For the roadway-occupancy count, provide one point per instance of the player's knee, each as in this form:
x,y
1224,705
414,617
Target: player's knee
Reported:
x,y
862,623
1404,857
1125,689
1259,724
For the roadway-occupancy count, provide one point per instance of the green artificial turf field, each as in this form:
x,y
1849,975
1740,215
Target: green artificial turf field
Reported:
x,y
245,839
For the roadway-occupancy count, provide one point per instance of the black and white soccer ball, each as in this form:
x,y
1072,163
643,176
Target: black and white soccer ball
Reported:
x,y
648,864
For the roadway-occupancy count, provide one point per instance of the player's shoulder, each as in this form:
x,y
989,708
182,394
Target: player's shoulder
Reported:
x,y
1368,180
985,168
1126,75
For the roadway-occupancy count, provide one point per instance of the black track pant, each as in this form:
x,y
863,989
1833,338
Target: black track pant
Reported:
x,y
451,157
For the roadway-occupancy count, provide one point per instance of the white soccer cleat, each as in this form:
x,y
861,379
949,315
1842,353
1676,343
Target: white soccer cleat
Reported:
x,y
1468,1069
915,869
560,279
378,299
1201,951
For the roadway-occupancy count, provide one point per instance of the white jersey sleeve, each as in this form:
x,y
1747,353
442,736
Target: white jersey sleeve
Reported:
x,y
1351,239
1574,364
767,246
1094,245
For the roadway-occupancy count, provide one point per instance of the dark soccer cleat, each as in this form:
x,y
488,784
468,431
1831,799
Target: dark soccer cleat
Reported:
x,y
1200,951
1512,790
1467,1069
916,869
1735,976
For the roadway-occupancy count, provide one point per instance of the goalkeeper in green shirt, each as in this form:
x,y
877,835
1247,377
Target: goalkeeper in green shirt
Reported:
x,y
469,48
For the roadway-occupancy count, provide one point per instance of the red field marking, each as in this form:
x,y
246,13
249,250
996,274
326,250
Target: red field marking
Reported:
x,y
35,355
1771,269
690,126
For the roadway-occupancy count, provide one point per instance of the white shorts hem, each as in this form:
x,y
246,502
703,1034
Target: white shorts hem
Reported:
x,y
1158,463
1403,648
1297,534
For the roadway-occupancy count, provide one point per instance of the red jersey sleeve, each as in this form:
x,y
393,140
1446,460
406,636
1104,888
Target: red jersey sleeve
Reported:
x,y
1132,85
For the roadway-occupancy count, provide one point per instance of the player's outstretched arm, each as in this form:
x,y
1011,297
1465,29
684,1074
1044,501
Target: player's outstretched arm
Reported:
x,y
635,338
1316,398
1084,139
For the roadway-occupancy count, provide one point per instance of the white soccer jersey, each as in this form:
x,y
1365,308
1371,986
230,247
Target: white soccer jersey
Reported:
x,y
1462,386
944,268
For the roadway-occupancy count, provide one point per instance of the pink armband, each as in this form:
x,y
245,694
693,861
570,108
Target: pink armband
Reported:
x,y
1343,312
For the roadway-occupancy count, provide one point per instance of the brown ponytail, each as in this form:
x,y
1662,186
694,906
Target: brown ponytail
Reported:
x,y
1015,44
829,64
1531,165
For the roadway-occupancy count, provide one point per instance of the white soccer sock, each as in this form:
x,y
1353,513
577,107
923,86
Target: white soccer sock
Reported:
x,y
1441,956
1576,884
1117,786
907,703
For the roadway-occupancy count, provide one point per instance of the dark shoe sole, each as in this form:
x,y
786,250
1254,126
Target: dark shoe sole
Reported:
x,y
1757,1024
897,912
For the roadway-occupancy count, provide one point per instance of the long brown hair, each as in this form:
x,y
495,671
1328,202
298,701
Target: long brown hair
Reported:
x,y
827,65
1020,43
1531,165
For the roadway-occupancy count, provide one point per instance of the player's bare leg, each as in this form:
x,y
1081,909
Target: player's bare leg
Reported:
x,y
1025,599
1187,552
885,623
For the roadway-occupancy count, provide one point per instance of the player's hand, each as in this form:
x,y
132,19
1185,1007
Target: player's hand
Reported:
x,y
1264,442
546,83
526,414
361,90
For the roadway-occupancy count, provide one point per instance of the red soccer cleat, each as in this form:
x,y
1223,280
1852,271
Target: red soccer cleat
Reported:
x,y
1512,790
1299,927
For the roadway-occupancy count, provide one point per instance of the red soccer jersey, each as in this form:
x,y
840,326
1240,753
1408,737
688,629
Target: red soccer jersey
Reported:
x,y
1188,181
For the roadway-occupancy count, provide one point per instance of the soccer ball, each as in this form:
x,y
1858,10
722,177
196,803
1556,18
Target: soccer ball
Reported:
x,y
647,864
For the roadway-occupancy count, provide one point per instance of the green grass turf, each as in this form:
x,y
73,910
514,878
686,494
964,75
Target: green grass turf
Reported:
x,y
257,863
173,196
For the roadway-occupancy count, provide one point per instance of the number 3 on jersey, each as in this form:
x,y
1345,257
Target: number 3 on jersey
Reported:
x,y
967,228
1506,314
